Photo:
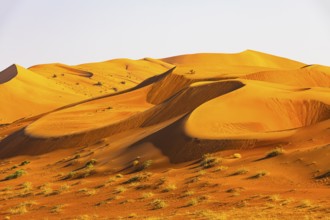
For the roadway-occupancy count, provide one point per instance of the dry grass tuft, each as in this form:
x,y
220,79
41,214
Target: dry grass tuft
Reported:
x,y
158,204
209,161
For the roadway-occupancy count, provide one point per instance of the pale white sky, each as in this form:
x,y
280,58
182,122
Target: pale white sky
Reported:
x,y
80,31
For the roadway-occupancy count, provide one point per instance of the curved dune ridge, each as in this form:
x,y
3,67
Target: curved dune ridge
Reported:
x,y
223,100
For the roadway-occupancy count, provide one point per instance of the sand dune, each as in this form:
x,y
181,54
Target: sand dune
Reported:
x,y
250,128
25,93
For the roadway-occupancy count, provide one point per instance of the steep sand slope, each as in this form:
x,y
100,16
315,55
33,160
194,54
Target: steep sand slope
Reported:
x,y
95,79
24,93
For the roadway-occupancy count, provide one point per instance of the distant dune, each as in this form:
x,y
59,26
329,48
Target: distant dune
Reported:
x,y
177,112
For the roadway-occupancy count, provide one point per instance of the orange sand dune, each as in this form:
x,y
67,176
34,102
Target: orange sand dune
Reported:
x,y
25,93
167,138
95,79
246,58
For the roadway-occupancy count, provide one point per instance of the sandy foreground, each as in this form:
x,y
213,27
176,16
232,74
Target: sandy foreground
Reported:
x,y
199,136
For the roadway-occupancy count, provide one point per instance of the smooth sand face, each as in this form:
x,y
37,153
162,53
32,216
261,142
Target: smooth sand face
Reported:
x,y
199,136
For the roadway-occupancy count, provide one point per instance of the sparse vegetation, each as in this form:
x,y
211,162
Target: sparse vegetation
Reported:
x,y
192,202
91,163
119,175
274,198
57,208
221,168
16,174
98,84
21,208
275,152
169,188
147,195
191,71
27,185
305,204
25,162
146,164
188,193
210,215
209,161
18,210
259,174
158,204
90,192
240,172
138,178
120,189
135,163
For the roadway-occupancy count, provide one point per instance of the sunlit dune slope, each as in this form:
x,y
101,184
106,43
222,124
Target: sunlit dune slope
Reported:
x,y
95,79
257,111
246,58
24,93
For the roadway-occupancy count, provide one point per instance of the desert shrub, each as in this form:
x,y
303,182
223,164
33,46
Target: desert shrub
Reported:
x,y
191,71
158,204
305,204
169,188
240,172
77,156
98,84
135,163
209,161
138,178
147,195
221,168
90,163
24,163
16,174
120,189
88,192
119,175
188,193
145,165
275,152
57,208
18,210
259,174
274,198
192,202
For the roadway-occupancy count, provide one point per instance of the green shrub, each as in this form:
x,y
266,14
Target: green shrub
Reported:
x,y
275,152
15,175
24,163
91,163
